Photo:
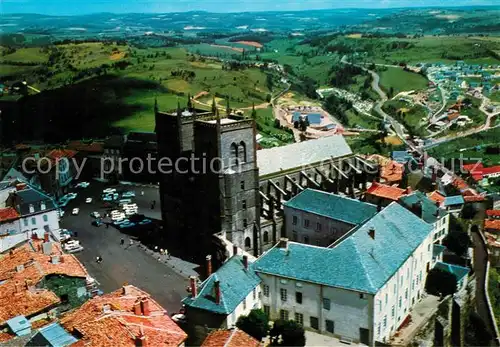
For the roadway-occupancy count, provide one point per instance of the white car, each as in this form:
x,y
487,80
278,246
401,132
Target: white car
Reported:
x,y
75,211
88,200
83,185
72,196
109,191
95,215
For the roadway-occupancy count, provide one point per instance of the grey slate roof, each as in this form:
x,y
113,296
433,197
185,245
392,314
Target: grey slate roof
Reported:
x,y
293,156
30,196
333,206
358,263
430,212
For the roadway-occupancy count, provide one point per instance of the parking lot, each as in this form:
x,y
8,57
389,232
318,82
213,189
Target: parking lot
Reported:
x,y
122,263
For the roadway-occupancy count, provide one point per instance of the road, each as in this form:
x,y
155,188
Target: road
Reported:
x,y
480,261
120,264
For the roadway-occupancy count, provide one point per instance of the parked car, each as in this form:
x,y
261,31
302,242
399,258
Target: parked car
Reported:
x,y
75,211
82,185
72,246
72,196
120,222
95,215
97,222
129,194
145,221
88,200
109,191
127,225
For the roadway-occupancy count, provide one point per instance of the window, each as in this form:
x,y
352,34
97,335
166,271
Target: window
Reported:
x,y
299,318
294,220
266,290
330,326
42,206
254,293
242,152
45,218
326,303
385,322
33,220
306,223
378,329
32,208
392,311
245,304
406,293
266,237
244,204
283,294
245,223
386,298
298,297
395,288
306,239
294,236
248,243
400,301
234,151
284,314
318,226
267,310
314,322
362,296
25,222
242,185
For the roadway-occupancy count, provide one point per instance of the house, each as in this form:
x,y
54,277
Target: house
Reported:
x,y
320,218
57,174
10,225
27,273
391,172
461,273
230,292
360,289
89,157
52,335
492,226
113,152
38,214
437,197
493,214
125,317
429,212
136,149
454,204
382,195
230,338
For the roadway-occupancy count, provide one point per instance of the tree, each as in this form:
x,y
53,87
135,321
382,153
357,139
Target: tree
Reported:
x,y
228,107
289,332
254,112
458,242
391,92
256,324
214,106
440,282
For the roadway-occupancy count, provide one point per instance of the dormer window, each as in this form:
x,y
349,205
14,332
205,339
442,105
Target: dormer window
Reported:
x,y
32,208
42,206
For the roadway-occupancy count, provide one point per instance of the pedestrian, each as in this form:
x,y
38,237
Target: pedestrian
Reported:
x,y
130,243
142,192
99,259
122,242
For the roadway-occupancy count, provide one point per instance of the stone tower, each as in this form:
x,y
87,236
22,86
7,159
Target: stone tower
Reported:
x,y
215,186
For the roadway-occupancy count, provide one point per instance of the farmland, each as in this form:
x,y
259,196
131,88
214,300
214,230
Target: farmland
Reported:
x,y
397,80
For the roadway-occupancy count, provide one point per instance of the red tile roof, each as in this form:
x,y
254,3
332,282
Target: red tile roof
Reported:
x,y
473,167
459,183
61,153
480,171
230,338
80,146
385,191
436,196
474,198
8,214
110,320
23,268
493,213
492,225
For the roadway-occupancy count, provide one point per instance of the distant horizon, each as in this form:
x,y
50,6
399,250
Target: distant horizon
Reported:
x,y
95,7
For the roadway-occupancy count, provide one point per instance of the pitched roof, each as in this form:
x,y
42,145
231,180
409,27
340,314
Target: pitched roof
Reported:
x,y
453,200
402,157
274,160
459,271
235,283
437,250
61,153
437,196
110,320
8,214
430,212
55,335
28,264
32,197
333,206
361,263
492,224
230,338
493,213
385,191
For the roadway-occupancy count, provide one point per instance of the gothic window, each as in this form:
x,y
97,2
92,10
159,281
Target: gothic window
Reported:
x,y
234,150
248,243
242,152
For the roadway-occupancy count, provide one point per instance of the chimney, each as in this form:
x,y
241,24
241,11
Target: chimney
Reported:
x,y
235,250
46,237
371,233
29,284
19,268
137,308
20,186
217,291
194,287
141,339
245,262
17,288
283,243
106,308
47,248
209,265
145,308
125,290
54,259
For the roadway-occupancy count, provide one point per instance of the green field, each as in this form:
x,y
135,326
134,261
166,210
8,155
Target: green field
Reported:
x,y
26,55
400,80
495,96
409,115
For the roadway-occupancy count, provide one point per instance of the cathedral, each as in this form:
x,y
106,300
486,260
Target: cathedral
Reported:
x,y
221,184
